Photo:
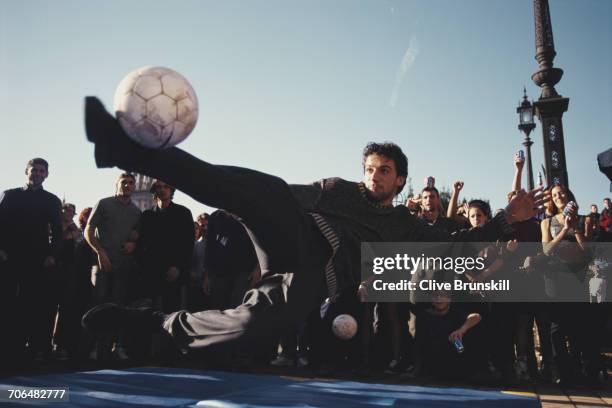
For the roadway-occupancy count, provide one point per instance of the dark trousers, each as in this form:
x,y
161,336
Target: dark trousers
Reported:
x,y
10,347
166,296
578,323
37,300
297,341
170,297
326,348
392,338
72,305
502,326
28,296
527,313
291,250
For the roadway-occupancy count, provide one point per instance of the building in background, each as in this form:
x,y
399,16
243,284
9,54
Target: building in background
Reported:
x,y
142,196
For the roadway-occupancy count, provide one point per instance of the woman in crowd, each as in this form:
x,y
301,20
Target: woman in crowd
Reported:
x,y
564,244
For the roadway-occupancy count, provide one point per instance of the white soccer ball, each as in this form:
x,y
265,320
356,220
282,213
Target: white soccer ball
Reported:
x,y
156,107
344,326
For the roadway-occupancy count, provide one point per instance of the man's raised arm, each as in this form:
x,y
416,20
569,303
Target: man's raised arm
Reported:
x,y
307,194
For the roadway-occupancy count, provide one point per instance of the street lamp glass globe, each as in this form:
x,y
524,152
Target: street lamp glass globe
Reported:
x,y
526,116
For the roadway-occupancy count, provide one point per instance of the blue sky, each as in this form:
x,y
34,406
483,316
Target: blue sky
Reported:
x,y
297,88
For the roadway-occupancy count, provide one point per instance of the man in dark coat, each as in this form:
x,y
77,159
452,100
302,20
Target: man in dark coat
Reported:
x,y
30,243
165,247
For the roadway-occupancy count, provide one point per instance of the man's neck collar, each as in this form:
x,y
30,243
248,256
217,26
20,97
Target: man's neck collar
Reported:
x,y
123,199
33,188
442,312
160,205
371,200
431,216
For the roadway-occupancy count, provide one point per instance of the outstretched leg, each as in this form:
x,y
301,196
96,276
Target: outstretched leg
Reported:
x,y
264,202
295,250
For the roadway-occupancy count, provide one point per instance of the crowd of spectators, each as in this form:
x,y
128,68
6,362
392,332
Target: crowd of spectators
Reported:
x,y
53,269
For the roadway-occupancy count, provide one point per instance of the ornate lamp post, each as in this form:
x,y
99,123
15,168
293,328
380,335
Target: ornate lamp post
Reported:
x,y
550,106
526,125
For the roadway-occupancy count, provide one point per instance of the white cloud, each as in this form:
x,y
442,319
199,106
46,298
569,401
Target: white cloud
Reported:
x,y
409,57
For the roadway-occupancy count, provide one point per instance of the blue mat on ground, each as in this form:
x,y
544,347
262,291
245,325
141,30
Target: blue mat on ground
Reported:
x,y
171,387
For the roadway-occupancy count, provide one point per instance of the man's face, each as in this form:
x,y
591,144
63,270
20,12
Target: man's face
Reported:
x,y
163,191
381,179
125,187
67,213
197,229
430,201
203,221
36,174
594,209
441,302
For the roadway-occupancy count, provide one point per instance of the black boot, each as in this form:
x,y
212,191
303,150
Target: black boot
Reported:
x,y
113,146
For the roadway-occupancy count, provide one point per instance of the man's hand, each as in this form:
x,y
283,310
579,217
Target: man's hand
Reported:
x,y
206,285
49,262
362,292
512,245
172,274
413,202
104,261
525,205
518,162
457,186
3,256
535,262
129,247
457,335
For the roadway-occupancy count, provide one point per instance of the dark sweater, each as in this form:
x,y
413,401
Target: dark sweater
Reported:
x,y
30,224
166,239
354,218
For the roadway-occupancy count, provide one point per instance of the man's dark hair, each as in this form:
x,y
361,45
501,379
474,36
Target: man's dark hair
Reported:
x,y
127,175
69,205
37,160
153,189
391,151
202,217
431,190
482,206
